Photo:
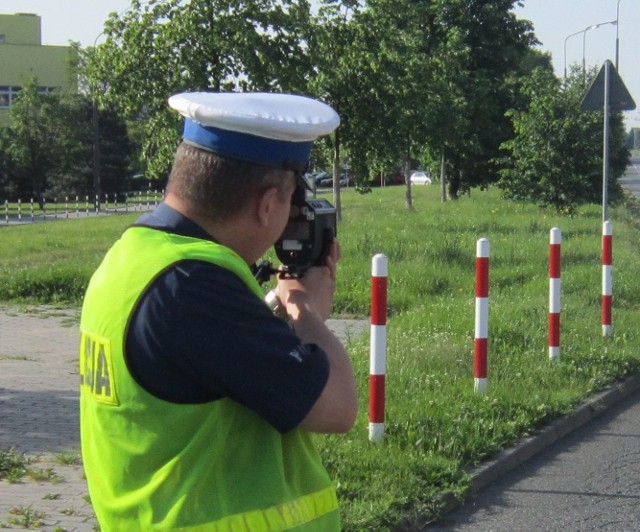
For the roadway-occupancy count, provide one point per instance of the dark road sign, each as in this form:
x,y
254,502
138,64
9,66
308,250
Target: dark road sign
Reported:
x,y
619,97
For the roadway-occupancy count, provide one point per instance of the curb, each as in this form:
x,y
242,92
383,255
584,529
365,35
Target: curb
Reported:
x,y
525,449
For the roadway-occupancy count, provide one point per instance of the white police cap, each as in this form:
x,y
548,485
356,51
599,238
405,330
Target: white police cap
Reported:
x,y
263,128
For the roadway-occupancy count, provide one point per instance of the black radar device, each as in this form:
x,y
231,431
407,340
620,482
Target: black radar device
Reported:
x,y
308,234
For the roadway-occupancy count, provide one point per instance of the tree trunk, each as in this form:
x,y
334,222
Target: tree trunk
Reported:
x,y
443,178
336,178
407,198
454,187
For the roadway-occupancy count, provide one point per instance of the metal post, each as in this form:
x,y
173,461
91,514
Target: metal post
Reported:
x,y
605,145
555,292
96,150
617,39
378,346
482,317
584,65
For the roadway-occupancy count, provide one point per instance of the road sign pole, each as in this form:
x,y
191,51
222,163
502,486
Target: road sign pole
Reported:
x,y
609,91
605,146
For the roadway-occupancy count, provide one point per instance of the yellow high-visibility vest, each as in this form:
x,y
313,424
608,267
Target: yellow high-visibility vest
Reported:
x,y
156,465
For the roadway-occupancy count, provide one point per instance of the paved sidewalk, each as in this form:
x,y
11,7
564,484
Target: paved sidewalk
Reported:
x,y
39,414
39,417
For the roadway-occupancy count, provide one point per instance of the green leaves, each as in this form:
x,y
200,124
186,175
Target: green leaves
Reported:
x,y
47,148
556,154
164,46
410,79
415,78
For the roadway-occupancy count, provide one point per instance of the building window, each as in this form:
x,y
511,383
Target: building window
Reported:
x,y
8,96
5,97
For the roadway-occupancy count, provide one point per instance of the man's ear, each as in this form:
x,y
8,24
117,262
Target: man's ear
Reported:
x,y
267,202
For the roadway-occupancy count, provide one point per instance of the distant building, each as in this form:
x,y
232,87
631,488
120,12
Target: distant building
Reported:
x,y
23,56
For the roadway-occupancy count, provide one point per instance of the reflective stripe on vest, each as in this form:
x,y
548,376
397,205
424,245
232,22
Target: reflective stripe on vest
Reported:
x,y
281,517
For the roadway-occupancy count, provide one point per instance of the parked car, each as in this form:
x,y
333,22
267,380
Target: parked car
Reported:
x,y
420,178
328,181
395,177
317,177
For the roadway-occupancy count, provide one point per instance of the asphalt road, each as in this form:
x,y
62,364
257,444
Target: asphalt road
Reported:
x,y
631,179
589,480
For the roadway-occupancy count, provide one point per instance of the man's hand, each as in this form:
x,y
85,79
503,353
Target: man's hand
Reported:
x,y
314,292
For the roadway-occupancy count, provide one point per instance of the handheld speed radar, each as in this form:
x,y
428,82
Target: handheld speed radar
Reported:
x,y
309,232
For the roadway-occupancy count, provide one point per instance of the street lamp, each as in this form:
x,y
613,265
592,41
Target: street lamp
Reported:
x,y
95,120
565,49
96,135
617,27
584,36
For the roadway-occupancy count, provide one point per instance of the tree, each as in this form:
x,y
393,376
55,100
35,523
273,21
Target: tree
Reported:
x,y
115,148
411,80
37,140
8,186
427,80
46,149
556,154
168,46
491,42
330,39
365,69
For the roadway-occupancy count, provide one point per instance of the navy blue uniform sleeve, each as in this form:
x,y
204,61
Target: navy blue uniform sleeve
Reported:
x,y
199,334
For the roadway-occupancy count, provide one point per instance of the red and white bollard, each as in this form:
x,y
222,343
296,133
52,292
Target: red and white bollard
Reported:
x,y
607,277
378,346
555,290
482,316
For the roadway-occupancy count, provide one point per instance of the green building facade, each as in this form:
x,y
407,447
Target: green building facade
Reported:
x,y
23,56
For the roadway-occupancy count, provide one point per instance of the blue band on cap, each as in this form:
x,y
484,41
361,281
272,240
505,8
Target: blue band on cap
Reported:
x,y
258,150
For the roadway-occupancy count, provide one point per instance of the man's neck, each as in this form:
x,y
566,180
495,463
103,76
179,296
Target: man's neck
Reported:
x,y
234,234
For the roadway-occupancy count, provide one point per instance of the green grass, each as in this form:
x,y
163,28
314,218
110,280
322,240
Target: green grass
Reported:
x,y
436,426
52,262
14,466
25,517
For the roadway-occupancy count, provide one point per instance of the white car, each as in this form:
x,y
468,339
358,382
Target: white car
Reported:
x,y
420,178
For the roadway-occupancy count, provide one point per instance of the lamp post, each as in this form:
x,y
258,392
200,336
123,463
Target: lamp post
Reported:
x,y
96,137
584,39
617,27
565,49
95,119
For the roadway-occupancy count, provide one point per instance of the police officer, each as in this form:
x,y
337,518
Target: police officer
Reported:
x,y
197,403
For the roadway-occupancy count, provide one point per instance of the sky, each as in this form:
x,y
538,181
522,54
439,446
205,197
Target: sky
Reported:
x,y
554,23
